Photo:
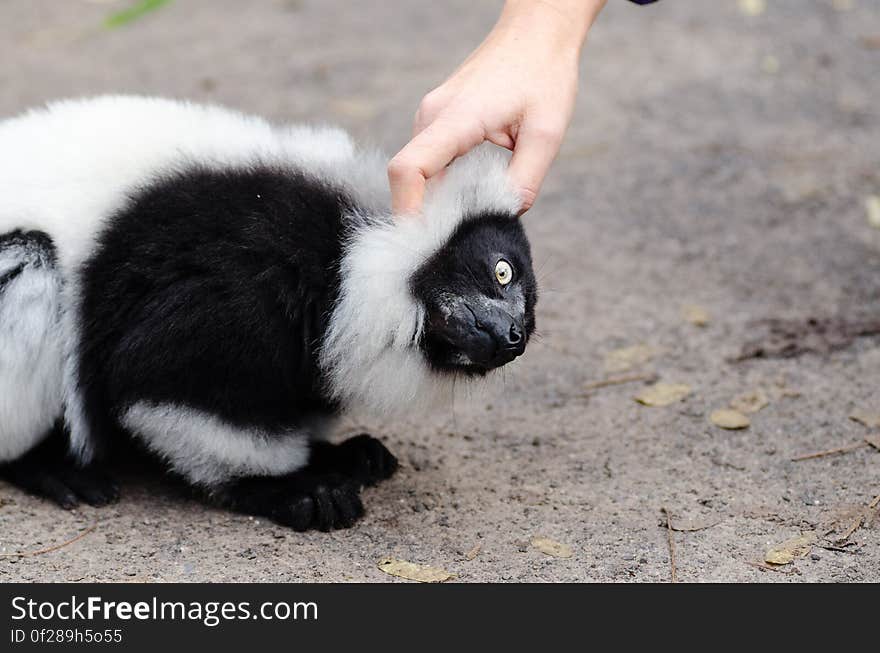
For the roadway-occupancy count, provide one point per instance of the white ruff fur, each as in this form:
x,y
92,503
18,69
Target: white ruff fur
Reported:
x,y
67,168
370,352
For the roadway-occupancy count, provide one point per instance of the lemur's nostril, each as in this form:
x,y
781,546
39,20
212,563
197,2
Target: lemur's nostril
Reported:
x,y
515,335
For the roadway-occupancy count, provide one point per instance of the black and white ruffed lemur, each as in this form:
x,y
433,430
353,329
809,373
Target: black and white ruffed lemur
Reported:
x,y
218,289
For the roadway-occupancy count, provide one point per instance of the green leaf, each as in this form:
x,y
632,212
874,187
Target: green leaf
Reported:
x,y
139,10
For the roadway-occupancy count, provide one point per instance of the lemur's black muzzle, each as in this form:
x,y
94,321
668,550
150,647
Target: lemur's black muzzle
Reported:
x,y
486,335
506,334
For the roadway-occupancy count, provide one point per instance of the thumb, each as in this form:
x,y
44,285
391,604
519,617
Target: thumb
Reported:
x,y
426,155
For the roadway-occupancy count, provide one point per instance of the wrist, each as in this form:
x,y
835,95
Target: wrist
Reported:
x,y
563,23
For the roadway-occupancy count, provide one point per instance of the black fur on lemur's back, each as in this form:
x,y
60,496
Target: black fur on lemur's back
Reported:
x,y
212,288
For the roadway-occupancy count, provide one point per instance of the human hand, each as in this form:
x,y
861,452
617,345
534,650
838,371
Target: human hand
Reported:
x,y
517,90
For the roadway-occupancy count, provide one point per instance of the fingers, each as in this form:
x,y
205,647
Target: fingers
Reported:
x,y
428,153
536,147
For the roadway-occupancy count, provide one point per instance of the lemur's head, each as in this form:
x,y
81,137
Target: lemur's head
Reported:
x,y
478,292
431,299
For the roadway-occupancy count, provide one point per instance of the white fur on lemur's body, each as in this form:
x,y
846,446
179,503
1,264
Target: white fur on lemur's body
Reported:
x,y
30,351
65,169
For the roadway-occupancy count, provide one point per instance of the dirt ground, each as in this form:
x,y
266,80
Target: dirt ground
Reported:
x,y
716,158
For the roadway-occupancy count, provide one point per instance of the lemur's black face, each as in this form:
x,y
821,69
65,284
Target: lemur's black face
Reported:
x,y
479,293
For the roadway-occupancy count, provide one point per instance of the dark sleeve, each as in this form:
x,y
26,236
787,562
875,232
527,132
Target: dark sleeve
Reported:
x,y
643,2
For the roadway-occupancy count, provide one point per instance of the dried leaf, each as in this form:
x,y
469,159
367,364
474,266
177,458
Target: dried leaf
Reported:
x,y
872,207
696,315
752,7
552,547
412,571
749,402
474,552
729,419
621,360
663,394
871,420
790,550
763,566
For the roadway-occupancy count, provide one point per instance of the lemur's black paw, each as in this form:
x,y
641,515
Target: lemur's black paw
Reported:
x,y
325,495
65,485
48,471
363,459
324,502
368,460
91,485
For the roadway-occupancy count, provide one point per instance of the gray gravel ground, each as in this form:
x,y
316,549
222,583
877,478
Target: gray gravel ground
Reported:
x,y
715,159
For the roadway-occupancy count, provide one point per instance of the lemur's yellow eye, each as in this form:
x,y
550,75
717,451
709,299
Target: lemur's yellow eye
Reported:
x,y
503,272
